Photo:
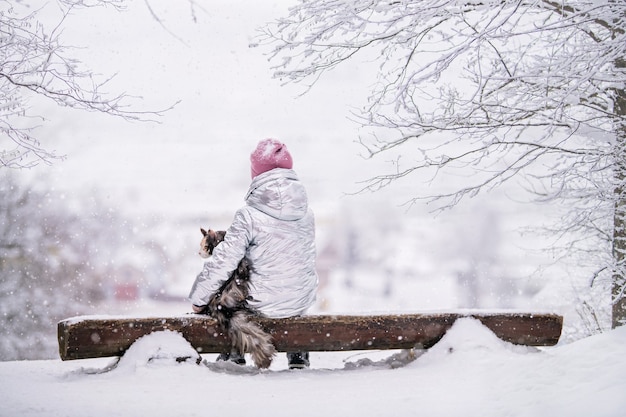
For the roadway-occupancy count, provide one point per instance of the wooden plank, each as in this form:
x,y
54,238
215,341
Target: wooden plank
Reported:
x,y
92,337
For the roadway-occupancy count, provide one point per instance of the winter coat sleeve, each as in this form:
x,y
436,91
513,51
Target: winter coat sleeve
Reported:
x,y
226,256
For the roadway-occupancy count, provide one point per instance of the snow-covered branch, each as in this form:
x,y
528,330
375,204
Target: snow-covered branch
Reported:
x,y
34,61
527,90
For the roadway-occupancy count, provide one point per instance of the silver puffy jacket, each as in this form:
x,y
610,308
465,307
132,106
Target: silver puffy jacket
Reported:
x,y
275,230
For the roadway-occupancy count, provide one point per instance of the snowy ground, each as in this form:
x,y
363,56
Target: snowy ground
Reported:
x,y
470,372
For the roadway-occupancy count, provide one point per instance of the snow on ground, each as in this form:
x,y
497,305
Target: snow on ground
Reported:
x,y
470,372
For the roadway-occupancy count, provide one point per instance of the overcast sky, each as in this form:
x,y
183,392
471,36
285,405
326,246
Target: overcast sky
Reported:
x,y
227,101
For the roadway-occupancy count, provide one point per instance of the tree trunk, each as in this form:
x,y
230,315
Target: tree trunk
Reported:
x,y
619,220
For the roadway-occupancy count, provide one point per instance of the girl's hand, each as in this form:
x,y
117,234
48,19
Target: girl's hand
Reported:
x,y
197,309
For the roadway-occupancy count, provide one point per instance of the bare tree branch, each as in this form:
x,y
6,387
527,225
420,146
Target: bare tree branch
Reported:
x,y
531,91
33,60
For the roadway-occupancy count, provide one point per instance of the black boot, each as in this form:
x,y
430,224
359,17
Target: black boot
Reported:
x,y
234,357
298,360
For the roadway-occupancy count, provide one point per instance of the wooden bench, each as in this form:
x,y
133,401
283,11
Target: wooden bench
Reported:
x,y
101,336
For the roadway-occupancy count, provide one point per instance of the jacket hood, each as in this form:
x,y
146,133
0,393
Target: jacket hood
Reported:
x,y
278,193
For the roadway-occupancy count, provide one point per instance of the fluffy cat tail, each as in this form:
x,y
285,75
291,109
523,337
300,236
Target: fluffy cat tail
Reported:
x,y
248,337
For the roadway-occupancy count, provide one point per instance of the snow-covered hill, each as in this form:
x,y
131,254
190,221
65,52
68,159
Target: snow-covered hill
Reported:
x,y
470,372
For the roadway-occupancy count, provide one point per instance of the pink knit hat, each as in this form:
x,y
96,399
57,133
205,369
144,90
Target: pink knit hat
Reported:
x,y
269,154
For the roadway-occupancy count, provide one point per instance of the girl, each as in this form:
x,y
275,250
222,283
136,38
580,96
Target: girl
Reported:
x,y
275,231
